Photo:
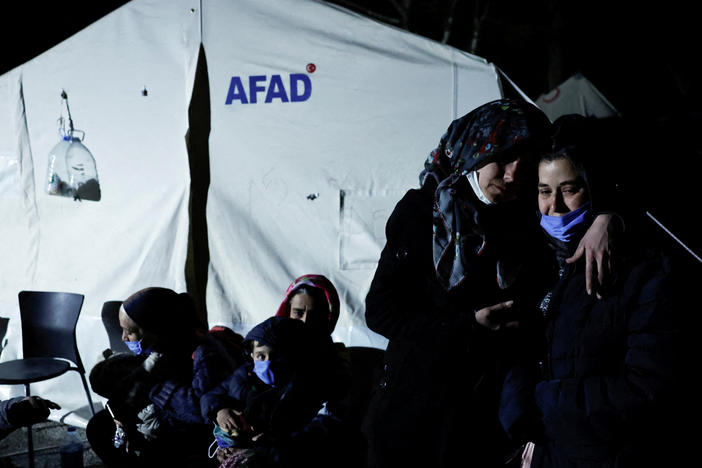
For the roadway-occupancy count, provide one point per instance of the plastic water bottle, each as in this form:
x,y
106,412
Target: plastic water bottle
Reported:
x,y
71,449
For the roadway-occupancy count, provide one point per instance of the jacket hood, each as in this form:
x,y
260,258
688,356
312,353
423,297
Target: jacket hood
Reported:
x,y
289,338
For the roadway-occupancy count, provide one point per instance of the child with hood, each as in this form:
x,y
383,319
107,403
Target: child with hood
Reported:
x,y
266,413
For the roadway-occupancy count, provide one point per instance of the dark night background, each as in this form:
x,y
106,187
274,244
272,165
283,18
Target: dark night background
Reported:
x,y
641,56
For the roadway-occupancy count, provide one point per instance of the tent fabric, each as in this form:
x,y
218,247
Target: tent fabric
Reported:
x,y
136,235
319,121
576,95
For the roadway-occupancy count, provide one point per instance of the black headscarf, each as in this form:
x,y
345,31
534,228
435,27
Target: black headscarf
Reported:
x,y
162,312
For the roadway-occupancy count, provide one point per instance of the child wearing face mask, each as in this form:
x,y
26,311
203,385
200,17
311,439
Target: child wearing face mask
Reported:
x,y
268,409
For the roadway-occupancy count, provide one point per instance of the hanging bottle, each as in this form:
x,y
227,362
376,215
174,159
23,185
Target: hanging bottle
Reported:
x,y
57,174
82,173
71,170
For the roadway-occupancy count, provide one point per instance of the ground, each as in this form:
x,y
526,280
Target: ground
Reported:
x,y
47,437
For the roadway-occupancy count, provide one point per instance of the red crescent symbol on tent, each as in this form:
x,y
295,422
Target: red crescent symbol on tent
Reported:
x,y
311,67
556,93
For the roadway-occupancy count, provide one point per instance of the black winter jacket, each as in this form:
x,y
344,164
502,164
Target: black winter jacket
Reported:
x,y
436,402
604,383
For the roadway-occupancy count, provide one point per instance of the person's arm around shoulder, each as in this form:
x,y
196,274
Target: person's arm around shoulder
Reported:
x,y
597,246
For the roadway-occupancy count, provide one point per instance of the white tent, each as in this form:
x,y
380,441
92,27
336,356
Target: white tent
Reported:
x,y
314,122
576,95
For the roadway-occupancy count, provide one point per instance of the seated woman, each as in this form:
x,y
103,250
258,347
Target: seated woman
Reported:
x,y
313,299
154,394
601,392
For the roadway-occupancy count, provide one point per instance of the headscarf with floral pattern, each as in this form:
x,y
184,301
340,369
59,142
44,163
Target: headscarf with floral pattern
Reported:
x,y
498,130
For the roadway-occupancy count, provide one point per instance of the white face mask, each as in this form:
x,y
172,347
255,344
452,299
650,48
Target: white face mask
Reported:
x,y
472,177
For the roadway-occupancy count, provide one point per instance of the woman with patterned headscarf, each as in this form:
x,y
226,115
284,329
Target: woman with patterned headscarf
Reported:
x,y
459,259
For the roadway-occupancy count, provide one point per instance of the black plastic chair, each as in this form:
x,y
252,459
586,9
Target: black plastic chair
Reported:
x,y
49,347
110,319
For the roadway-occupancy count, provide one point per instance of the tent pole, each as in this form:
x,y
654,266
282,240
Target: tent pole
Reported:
x,y
674,236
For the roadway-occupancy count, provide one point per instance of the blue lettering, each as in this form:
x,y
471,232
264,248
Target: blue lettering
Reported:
x,y
236,91
254,88
300,89
295,78
276,90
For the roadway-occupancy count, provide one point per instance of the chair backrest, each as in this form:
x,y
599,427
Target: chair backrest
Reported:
x,y
4,325
49,324
110,319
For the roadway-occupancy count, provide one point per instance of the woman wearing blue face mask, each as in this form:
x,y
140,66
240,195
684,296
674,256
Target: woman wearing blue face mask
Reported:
x,y
154,392
601,393
133,334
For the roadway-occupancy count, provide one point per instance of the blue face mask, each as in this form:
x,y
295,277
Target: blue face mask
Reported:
x,y
134,346
564,227
222,439
264,372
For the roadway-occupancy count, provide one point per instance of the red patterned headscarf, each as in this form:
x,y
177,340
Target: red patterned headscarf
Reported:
x,y
319,282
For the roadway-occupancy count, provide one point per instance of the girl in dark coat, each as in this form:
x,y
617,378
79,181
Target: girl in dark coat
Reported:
x,y
602,393
154,394
458,261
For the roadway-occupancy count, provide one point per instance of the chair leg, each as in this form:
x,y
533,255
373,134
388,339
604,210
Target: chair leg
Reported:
x,y
30,442
87,393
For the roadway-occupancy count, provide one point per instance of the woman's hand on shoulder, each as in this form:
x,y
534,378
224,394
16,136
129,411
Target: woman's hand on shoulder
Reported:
x,y
596,246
